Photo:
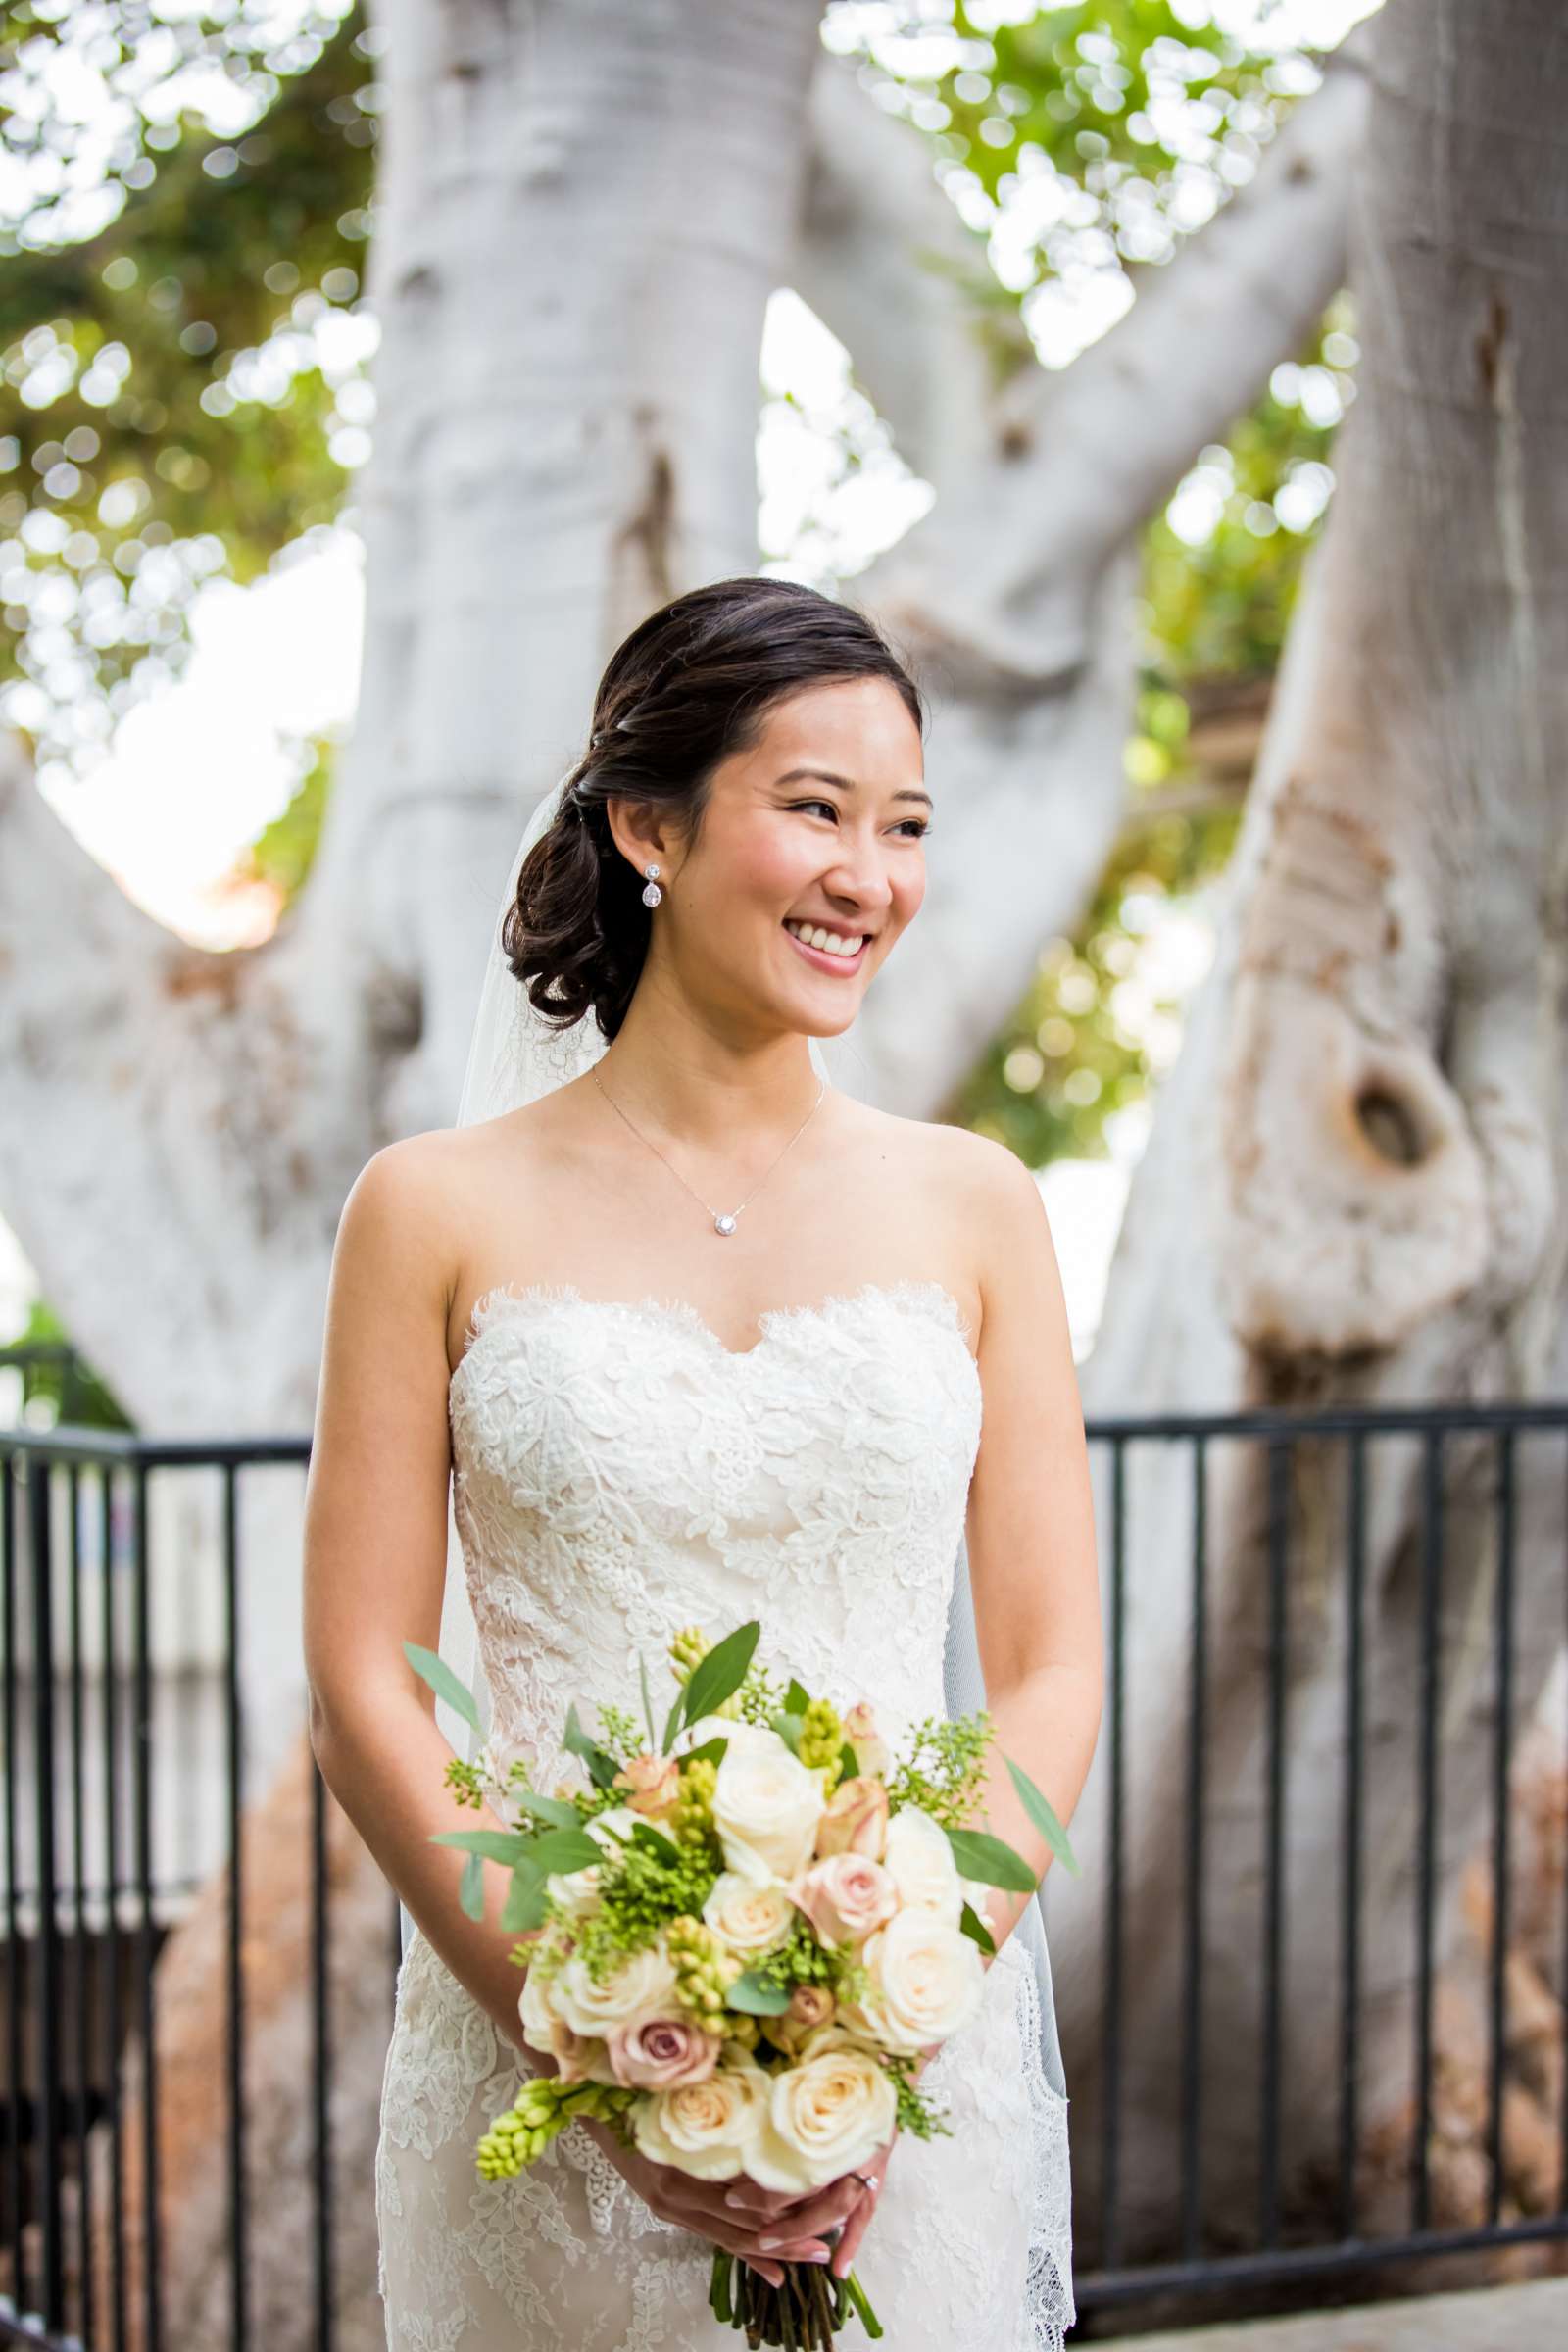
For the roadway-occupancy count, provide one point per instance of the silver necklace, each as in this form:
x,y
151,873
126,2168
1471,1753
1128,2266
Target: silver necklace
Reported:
x,y
723,1222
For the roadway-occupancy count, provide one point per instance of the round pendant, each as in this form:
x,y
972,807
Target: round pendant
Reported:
x,y
723,1224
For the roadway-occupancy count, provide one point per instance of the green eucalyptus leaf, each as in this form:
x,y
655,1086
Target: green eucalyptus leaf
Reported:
x,y
1041,1813
560,1812
648,1699
796,1698
524,1906
470,1887
564,1849
974,1927
673,1721
848,1763
755,1996
787,1728
602,1765
721,1674
714,1748
443,1682
493,1845
991,1860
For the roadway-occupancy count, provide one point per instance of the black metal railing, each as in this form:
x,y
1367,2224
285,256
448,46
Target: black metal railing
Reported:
x,y
118,1704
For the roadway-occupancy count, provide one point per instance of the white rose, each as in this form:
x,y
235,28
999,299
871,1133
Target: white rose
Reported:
x,y
707,2128
739,1733
767,1806
925,1981
642,1987
829,2112
752,1915
919,1860
576,1891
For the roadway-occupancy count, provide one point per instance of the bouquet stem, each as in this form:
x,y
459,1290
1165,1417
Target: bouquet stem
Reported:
x,y
803,2315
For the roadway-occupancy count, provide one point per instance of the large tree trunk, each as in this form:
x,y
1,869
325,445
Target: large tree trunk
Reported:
x,y
1359,1165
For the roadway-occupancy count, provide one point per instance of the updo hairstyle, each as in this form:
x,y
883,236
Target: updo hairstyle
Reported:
x,y
691,685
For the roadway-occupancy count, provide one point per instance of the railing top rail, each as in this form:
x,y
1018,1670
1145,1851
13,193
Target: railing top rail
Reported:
x,y
67,1441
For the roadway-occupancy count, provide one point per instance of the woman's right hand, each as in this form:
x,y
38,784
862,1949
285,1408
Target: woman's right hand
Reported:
x,y
792,2226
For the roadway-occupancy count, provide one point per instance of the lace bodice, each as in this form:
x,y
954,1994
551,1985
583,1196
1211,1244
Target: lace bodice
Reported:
x,y
619,1473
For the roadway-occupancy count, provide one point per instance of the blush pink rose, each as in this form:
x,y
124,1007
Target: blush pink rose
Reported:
x,y
662,2053
871,1748
846,1897
654,1785
581,2057
854,1820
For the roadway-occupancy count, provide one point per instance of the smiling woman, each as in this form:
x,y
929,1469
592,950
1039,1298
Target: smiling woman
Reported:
x,y
790,1428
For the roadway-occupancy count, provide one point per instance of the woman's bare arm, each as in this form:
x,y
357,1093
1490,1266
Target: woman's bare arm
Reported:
x,y
1030,1531
376,1534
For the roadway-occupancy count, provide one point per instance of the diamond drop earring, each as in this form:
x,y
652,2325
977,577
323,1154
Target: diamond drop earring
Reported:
x,y
652,894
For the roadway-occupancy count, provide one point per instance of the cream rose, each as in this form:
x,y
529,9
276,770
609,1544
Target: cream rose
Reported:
x,y
830,2111
707,2128
844,1897
925,1983
921,1862
642,1987
767,1806
752,1915
581,2057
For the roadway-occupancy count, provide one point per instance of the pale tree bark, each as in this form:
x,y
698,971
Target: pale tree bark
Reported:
x,y
1354,1190
570,292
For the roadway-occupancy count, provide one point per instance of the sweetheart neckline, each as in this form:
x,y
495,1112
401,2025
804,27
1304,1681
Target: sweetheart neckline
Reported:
x,y
685,1316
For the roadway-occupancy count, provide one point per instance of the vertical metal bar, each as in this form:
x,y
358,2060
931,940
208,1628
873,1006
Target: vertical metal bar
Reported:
x,y
1192,1960
16,1974
83,1938
1111,2153
1350,1834
52,2267
1502,1742
239,2319
147,1926
1279,1504
323,2054
1562,2132
112,2022
1427,1805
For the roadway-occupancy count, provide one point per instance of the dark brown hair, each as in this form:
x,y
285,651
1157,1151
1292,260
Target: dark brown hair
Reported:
x,y
691,685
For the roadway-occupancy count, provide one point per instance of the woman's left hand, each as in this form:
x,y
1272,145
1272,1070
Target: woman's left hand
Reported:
x,y
859,2218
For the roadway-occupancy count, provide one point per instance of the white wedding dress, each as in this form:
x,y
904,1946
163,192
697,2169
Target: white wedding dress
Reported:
x,y
620,1473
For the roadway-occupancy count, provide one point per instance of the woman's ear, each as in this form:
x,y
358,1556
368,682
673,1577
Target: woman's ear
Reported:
x,y
640,830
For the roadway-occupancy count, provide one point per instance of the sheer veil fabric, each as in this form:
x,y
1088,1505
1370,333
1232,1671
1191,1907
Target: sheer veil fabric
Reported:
x,y
516,1056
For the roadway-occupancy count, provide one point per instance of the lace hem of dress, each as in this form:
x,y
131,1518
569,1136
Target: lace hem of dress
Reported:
x,y
1049,2291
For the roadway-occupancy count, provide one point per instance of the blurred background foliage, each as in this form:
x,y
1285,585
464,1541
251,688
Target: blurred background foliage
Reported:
x,y
169,414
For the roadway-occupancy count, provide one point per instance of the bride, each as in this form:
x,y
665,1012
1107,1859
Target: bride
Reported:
x,y
684,1333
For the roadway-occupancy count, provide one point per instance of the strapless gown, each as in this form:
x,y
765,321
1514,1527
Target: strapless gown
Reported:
x,y
619,1473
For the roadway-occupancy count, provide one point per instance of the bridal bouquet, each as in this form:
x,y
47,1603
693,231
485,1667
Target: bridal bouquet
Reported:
x,y
742,1939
